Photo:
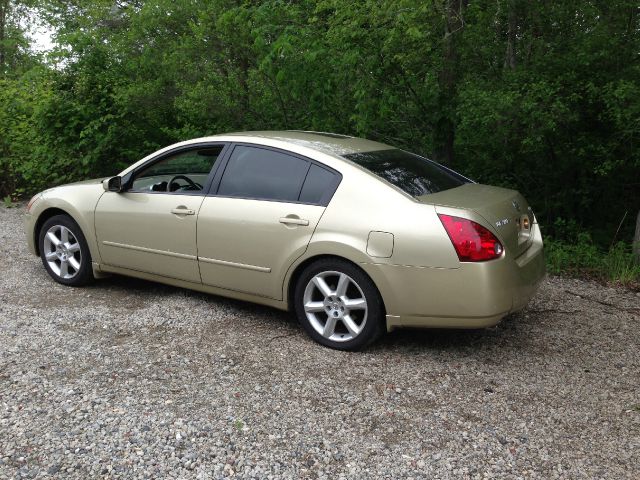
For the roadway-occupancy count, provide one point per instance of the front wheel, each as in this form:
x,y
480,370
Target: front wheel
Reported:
x,y
64,251
338,305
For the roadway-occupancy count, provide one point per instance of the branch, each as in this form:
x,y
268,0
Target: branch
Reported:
x,y
633,311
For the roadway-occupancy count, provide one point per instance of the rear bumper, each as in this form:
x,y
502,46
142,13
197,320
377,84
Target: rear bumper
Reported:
x,y
475,295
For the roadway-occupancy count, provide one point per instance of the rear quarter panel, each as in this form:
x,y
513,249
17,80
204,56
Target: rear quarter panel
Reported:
x,y
363,204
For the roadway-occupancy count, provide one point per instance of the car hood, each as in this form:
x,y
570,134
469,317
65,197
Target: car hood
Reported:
x,y
86,182
93,181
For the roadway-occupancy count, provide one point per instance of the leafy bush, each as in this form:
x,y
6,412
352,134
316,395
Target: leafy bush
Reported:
x,y
584,258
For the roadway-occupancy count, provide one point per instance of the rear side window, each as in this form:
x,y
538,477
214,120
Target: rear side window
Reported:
x,y
318,184
264,174
411,173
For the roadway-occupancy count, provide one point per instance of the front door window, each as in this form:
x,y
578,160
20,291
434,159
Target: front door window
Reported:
x,y
184,172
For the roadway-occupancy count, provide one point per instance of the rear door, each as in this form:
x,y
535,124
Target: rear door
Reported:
x,y
260,217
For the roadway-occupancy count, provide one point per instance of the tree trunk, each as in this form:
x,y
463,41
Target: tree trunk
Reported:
x,y
636,239
453,23
510,56
4,7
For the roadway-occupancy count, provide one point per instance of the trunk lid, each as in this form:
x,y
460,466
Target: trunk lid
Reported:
x,y
506,212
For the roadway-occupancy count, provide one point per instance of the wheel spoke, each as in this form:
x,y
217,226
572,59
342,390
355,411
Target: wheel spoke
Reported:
x,y
74,264
64,268
73,247
53,239
50,256
329,327
314,307
351,325
343,283
64,234
322,286
355,303
54,266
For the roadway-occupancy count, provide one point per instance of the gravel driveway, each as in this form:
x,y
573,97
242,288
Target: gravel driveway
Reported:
x,y
130,379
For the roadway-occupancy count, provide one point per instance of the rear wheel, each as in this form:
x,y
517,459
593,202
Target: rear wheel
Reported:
x,y
338,305
64,251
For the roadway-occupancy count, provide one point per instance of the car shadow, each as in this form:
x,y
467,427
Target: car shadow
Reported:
x,y
511,331
440,338
136,286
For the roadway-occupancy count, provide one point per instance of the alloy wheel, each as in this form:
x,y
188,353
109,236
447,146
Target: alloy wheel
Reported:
x,y
335,306
62,252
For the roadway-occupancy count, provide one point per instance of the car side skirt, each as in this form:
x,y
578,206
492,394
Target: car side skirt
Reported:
x,y
103,270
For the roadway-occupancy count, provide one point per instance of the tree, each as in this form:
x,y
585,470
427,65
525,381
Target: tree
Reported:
x,y
540,96
14,54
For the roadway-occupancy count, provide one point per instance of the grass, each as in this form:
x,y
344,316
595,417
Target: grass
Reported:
x,y
583,258
8,202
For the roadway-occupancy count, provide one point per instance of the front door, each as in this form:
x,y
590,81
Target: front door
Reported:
x,y
260,219
151,227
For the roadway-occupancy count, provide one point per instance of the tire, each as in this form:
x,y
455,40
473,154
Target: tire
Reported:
x,y
64,251
338,305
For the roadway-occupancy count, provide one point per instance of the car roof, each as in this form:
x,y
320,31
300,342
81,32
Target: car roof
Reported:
x,y
330,143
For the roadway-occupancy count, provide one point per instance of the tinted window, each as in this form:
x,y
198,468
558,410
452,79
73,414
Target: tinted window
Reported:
x,y
260,173
413,174
318,182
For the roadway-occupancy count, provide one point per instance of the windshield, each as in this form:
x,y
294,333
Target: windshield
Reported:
x,y
411,173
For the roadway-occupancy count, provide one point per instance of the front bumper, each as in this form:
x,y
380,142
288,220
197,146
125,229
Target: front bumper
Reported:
x,y
475,295
29,231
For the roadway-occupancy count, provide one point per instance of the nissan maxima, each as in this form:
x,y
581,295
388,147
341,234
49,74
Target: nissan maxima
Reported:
x,y
354,236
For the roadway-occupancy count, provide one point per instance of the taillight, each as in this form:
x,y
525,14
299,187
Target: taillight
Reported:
x,y
473,242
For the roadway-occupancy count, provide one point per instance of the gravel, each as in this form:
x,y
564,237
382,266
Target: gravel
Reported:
x,y
131,379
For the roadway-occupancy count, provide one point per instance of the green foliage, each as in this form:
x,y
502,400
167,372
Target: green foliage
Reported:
x,y
543,97
239,424
584,258
8,202
575,253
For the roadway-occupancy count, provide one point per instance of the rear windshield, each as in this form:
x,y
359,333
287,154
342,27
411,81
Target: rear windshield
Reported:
x,y
412,173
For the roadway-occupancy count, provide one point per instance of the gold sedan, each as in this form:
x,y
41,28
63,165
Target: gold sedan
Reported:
x,y
355,236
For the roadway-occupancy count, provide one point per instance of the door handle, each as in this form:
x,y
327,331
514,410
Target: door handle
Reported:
x,y
294,221
183,211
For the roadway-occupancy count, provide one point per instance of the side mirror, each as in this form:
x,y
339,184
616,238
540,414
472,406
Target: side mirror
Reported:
x,y
113,184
